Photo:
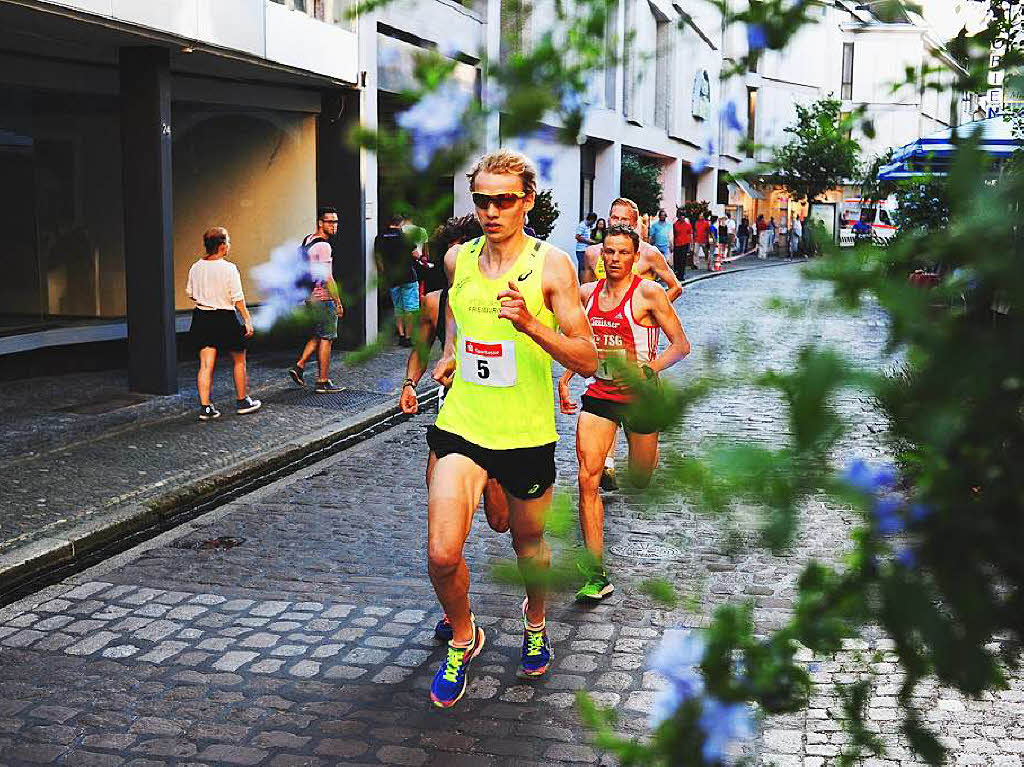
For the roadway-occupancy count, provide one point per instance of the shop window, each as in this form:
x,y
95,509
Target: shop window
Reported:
x,y
60,209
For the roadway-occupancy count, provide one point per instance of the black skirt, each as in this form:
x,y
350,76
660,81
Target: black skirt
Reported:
x,y
218,328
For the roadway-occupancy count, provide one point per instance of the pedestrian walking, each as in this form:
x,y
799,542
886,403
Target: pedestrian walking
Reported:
x,y
762,236
597,234
583,240
394,251
700,239
215,286
627,314
795,237
324,304
743,236
516,307
730,225
661,235
772,233
723,241
682,240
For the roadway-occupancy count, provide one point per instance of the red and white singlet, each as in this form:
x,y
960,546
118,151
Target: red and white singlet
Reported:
x,y
618,336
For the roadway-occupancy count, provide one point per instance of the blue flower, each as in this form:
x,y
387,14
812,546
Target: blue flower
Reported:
x,y
544,164
731,117
435,122
707,153
907,558
920,512
722,724
756,40
862,477
677,658
571,101
284,282
887,515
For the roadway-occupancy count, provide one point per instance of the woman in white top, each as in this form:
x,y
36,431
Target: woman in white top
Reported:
x,y
216,287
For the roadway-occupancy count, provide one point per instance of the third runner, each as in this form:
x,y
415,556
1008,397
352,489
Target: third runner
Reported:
x,y
627,314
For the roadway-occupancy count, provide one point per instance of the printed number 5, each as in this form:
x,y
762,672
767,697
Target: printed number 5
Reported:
x,y
482,370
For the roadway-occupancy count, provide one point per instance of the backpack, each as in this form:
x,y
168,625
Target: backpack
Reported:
x,y
304,278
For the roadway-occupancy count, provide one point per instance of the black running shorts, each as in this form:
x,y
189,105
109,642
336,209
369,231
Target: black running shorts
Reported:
x,y
618,413
524,472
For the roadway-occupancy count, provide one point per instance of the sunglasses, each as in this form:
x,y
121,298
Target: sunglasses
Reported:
x,y
503,201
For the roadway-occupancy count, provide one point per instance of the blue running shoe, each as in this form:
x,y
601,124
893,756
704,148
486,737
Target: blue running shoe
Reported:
x,y
537,650
449,684
443,631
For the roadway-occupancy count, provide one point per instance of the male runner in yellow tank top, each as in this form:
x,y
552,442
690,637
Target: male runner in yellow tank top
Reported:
x,y
510,296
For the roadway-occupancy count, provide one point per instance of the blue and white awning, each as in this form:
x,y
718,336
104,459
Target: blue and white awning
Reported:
x,y
933,154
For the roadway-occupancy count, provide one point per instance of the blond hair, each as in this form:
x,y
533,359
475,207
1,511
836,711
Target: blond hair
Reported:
x,y
629,204
506,162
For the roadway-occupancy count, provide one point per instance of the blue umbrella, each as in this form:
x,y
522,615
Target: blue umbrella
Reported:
x,y
933,154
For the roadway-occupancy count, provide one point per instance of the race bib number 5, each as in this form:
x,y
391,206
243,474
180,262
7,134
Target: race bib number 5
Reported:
x,y
488,363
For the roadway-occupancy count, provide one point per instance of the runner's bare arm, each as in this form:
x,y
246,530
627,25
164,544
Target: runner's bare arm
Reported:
x,y
573,347
664,271
664,316
416,365
444,371
590,256
586,291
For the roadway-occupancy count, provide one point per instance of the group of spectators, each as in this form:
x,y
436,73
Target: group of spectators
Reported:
x,y
702,241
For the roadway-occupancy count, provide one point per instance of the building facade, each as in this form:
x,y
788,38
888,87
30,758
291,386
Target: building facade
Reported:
x,y
128,127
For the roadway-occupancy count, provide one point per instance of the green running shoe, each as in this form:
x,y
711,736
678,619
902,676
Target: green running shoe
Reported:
x,y
596,588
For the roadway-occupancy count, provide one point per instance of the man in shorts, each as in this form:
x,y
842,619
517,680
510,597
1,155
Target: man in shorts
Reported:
x,y
627,315
394,252
324,302
650,264
509,292
432,326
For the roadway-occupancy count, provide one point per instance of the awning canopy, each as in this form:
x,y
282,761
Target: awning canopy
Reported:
x,y
746,188
934,154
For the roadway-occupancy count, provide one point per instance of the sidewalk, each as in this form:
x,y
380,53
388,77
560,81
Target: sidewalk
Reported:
x,y
83,461
81,457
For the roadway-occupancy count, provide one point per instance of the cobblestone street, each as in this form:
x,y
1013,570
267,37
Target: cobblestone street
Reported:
x,y
311,643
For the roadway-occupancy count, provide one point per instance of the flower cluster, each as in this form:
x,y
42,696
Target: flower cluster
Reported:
x,y
678,658
436,122
890,511
284,281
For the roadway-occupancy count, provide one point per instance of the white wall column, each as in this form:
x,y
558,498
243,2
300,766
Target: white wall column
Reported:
x,y
607,177
368,165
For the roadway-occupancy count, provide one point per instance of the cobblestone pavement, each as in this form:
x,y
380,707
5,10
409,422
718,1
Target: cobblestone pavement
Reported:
x,y
310,642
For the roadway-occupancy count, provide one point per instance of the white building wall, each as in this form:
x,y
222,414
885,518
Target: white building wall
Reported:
x,y
260,28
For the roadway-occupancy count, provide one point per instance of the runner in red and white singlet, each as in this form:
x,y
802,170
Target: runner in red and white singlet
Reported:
x,y
627,314
619,337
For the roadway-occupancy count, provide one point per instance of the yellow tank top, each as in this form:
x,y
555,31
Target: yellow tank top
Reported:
x,y
502,396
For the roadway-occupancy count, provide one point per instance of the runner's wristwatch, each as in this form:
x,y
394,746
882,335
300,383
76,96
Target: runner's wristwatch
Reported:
x,y
648,372
408,382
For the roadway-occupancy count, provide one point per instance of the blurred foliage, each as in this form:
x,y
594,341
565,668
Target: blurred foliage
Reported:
x,y
821,154
544,214
641,182
935,561
696,208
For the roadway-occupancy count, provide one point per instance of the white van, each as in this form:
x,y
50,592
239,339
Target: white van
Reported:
x,y
877,214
